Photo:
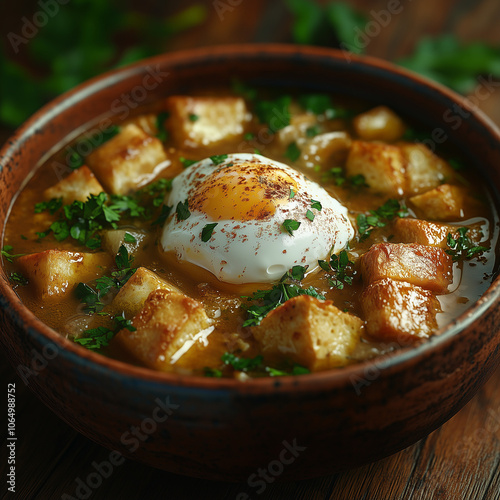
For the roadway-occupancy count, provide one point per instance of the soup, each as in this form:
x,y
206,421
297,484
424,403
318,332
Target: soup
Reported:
x,y
246,234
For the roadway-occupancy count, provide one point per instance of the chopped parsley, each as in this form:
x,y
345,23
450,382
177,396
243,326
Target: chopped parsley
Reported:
x,y
290,225
6,253
182,210
310,215
52,206
240,88
97,338
341,268
312,131
242,364
292,193
187,163
292,152
296,370
316,103
461,247
275,113
379,217
193,117
129,238
316,204
18,279
218,159
267,300
206,232
212,372
92,297
160,125
165,212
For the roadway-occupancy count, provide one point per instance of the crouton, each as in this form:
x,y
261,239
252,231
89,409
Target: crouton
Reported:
x,y
396,311
78,186
407,230
128,161
424,170
53,273
113,239
131,297
444,203
382,165
327,149
426,266
310,332
204,121
379,124
148,123
299,123
168,325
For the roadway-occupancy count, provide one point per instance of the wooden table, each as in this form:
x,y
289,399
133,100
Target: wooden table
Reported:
x,y
458,461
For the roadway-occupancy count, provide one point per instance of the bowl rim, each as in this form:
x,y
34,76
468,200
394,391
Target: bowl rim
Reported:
x,y
24,319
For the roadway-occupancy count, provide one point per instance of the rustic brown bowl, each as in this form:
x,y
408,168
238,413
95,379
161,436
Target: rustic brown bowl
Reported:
x,y
290,427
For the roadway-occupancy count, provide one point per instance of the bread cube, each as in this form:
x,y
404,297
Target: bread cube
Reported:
x,y
53,273
310,332
79,185
444,203
168,325
327,149
425,266
379,124
382,165
113,239
424,170
204,121
146,121
396,311
133,294
407,230
128,160
299,123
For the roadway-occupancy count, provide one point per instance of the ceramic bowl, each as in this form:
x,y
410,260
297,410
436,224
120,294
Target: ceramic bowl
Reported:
x,y
289,427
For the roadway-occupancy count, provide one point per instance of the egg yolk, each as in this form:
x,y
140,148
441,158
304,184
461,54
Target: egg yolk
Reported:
x,y
246,191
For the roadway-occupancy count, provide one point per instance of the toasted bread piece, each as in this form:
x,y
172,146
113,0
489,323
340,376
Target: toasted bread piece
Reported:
x,y
310,332
379,124
424,170
299,123
78,186
329,149
444,203
427,266
168,325
128,161
407,230
131,297
397,311
382,165
204,121
55,272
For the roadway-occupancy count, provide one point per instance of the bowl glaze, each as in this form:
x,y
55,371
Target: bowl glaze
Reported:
x,y
292,427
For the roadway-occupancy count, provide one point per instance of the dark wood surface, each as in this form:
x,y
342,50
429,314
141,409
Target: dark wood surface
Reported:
x,y
461,460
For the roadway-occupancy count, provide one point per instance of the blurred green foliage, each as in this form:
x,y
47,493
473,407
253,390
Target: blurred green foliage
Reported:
x,y
444,58
80,41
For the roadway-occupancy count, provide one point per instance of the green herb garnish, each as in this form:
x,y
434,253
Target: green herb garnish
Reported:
x,y
218,159
6,253
275,113
267,300
182,210
341,268
206,232
379,218
193,118
187,163
290,225
292,152
461,247
162,133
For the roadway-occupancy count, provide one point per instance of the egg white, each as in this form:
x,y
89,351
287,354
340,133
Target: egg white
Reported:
x,y
255,251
